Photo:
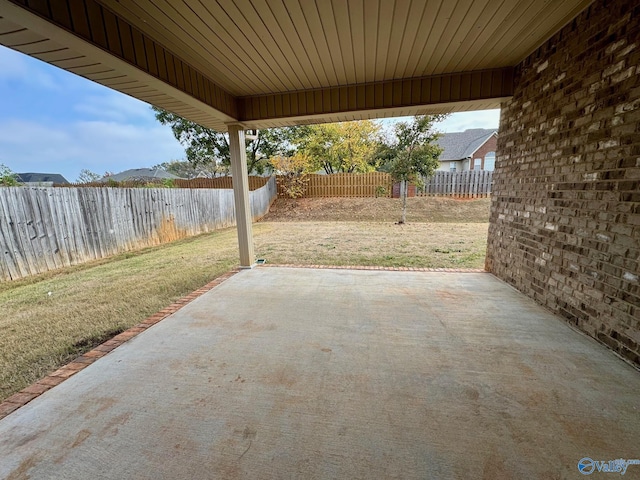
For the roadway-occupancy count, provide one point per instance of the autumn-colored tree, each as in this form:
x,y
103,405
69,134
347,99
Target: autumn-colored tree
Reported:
x,y
346,147
292,173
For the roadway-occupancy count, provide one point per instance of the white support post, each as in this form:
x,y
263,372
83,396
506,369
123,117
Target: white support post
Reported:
x,y
240,176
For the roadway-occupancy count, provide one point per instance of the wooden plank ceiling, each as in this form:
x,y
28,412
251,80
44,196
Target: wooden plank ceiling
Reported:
x,y
282,62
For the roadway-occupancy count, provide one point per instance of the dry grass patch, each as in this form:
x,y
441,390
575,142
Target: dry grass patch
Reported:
x,y
419,209
441,245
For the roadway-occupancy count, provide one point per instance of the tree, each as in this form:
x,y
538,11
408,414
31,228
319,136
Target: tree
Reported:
x,y
186,169
7,177
412,155
204,146
292,173
346,147
87,176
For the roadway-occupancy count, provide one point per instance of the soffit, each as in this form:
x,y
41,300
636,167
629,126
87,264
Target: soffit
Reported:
x,y
257,47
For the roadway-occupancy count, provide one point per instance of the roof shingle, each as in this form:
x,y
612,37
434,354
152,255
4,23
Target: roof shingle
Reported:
x,y
460,145
31,177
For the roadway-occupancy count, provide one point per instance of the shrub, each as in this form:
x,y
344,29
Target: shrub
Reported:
x,y
293,174
381,191
7,177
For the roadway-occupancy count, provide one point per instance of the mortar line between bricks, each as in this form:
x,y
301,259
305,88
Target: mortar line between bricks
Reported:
x,y
27,394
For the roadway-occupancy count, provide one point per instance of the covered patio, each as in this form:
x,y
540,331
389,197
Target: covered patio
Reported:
x,y
565,216
304,373
312,373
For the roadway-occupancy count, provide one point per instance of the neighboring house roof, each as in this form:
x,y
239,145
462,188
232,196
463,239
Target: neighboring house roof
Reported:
x,y
144,174
41,178
459,145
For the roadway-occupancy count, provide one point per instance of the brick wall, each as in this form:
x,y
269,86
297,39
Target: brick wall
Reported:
x,y
565,214
488,146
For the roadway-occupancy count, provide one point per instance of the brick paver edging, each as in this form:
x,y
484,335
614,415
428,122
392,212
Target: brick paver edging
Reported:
x,y
386,269
25,395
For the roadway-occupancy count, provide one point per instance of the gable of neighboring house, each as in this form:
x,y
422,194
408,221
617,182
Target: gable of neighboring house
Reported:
x,y
473,149
32,178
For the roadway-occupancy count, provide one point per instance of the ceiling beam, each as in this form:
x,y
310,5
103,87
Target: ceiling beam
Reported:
x,y
394,94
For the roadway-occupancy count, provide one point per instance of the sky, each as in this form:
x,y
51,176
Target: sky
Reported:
x,y
52,121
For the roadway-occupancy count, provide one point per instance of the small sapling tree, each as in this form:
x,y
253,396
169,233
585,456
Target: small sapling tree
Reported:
x,y
413,154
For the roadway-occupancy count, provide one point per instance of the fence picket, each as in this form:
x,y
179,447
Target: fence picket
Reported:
x,y
469,184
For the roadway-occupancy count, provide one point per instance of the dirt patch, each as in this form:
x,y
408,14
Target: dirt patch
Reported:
x,y
419,209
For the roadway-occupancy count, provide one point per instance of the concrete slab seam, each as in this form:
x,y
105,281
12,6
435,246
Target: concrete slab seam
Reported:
x,y
27,394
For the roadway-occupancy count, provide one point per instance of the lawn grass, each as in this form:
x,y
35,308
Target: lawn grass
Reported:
x,y
431,245
39,332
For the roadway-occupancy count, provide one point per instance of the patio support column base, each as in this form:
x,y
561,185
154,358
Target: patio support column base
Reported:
x,y
239,172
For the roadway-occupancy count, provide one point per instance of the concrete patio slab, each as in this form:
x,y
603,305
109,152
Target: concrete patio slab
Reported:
x,y
303,373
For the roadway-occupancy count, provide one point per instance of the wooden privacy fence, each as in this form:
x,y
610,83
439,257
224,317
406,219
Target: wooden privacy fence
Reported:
x,y
374,184
470,184
218,182
45,228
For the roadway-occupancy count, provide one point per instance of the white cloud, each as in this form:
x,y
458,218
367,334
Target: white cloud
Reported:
x,y
15,66
24,133
457,122
461,121
95,145
113,106
12,64
82,125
